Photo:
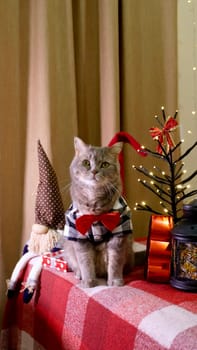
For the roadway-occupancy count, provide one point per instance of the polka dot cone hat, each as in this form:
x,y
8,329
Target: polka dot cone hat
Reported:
x,y
49,209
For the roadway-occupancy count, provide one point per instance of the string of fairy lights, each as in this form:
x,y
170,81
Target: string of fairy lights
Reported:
x,y
173,186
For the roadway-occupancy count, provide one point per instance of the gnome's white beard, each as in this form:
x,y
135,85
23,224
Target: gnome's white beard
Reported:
x,y
44,242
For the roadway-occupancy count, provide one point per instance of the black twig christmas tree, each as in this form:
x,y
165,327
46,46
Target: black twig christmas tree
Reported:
x,y
171,187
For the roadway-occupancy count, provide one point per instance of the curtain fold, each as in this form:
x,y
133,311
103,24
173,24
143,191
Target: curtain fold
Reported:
x,y
13,106
148,80
109,69
81,67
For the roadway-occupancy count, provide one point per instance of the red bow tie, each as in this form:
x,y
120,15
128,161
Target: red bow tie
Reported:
x,y
109,220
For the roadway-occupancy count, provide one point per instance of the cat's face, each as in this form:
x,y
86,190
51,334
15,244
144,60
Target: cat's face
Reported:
x,y
95,166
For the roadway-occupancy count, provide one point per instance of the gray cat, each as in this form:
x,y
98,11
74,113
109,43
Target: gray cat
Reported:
x,y
98,223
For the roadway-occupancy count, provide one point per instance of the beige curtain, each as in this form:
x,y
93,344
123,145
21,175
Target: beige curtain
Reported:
x,y
81,67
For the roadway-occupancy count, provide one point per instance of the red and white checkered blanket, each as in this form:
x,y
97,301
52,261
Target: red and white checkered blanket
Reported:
x,y
140,315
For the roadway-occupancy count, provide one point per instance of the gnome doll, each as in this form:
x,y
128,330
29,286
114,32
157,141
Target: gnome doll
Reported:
x,y
47,231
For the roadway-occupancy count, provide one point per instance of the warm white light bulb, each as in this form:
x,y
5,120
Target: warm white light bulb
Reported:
x,y
179,186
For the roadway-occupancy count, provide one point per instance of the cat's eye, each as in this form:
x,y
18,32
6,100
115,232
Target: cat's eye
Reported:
x,y
86,163
105,165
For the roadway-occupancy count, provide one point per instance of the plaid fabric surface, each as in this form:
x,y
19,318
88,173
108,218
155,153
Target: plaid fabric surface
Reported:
x,y
62,316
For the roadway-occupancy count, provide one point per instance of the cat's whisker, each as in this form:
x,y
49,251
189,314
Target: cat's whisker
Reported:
x,y
66,188
112,189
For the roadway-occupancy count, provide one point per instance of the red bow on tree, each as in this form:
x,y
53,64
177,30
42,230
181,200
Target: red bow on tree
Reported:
x,y
109,220
161,134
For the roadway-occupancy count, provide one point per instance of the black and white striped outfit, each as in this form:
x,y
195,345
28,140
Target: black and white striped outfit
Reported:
x,y
98,232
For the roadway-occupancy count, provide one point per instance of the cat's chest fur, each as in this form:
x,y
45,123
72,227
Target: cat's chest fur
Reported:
x,y
92,200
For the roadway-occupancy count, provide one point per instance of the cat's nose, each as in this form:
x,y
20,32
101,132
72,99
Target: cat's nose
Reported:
x,y
94,171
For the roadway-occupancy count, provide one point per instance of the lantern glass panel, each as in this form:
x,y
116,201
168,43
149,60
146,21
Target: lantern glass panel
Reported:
x,y
185,260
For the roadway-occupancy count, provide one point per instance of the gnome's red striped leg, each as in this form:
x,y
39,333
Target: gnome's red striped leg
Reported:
x,y
18,270
32,281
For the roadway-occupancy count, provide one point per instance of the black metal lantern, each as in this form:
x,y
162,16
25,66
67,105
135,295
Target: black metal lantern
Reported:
x,y
184,250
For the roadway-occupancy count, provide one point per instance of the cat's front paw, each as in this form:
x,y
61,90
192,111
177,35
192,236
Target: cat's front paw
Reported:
x,y
88,283
116,282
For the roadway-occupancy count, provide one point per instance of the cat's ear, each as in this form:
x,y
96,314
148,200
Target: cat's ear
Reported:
x,y
79,145
117,147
